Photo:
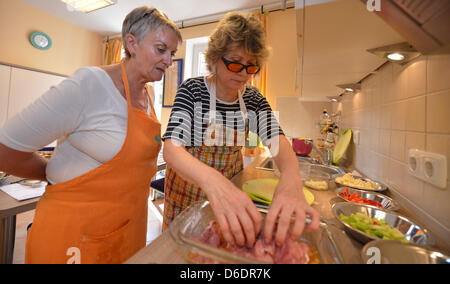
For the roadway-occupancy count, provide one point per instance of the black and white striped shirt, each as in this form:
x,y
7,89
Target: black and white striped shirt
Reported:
x,y
190,114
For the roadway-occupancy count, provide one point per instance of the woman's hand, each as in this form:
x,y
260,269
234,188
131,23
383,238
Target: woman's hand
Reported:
x,y
239,219
289,201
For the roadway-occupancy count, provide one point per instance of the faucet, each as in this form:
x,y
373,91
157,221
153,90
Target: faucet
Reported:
x,y
325,160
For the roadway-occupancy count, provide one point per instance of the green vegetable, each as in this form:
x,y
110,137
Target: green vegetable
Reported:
x,y
262,190
342,145
259,199
373,227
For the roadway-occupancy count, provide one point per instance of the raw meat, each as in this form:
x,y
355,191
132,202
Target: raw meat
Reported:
x,y
291,252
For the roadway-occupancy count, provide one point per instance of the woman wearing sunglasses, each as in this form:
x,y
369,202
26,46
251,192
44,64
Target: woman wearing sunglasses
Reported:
x,y
208,127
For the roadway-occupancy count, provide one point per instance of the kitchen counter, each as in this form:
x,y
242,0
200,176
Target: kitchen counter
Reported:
x,y
9,208
165,250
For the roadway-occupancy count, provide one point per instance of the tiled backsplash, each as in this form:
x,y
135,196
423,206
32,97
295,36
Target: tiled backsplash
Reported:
x,y
401,108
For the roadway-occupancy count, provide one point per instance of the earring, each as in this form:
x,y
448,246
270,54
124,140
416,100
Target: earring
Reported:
x,y
133,54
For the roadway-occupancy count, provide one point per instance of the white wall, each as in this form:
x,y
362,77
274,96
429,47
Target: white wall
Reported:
x,y
300,119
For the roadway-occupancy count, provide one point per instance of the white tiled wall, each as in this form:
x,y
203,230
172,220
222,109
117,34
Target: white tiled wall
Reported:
x,y
400,108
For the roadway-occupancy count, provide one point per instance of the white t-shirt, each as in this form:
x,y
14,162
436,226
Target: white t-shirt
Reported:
x,y
85,113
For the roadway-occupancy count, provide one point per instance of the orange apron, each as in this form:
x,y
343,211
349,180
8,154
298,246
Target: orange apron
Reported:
x,y
101,216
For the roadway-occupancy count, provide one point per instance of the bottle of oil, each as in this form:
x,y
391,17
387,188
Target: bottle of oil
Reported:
x,y
325,122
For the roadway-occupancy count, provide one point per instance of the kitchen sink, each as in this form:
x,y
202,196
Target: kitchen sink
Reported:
x,y
269,165
308,160
331,170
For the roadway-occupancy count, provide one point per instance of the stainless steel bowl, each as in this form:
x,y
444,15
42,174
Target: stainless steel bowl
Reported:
x,y
413,233
387,202
380,186
32,183
394,252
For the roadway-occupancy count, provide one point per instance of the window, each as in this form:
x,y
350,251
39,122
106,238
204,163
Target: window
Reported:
x,y
157,100
195,63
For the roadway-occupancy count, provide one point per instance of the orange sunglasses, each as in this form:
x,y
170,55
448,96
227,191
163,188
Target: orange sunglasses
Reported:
x,y
237,67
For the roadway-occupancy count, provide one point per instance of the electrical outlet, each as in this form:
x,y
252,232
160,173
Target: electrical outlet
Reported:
x,y
429,167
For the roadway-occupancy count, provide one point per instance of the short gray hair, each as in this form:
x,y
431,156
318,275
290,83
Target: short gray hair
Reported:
x,y
145,19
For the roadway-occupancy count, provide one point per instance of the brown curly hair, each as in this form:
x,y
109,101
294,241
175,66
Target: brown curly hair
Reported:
x,y
237,30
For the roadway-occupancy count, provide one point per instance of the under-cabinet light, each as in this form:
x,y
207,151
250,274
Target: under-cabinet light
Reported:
x,y
396,56
400,53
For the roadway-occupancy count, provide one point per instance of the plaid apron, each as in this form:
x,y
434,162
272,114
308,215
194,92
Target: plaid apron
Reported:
x,y
219,151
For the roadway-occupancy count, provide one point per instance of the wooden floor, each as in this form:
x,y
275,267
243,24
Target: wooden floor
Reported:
x,y
24,219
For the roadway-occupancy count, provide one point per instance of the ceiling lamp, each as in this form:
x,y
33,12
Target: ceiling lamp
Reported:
x,y
88,6
400,53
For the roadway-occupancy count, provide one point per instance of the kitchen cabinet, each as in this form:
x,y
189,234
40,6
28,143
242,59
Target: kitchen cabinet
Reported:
x,y
26,86
5,72
333,39
424,23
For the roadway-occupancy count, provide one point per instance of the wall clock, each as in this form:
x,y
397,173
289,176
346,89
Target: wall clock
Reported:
x,y
41,40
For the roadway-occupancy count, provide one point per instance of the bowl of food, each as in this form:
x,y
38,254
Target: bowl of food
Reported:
x,y
198,234
367,223
302,146
394,252
318,180
366,197
358,182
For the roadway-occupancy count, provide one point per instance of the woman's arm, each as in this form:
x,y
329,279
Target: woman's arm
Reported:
x,y
238,217
22,164
289,198
53,115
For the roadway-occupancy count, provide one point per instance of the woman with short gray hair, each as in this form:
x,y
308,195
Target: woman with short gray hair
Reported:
x,y
144,19
94,209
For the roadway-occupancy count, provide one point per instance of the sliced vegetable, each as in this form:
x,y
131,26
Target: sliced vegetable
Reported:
x,y
354,197
342,145
378,228
262,190
256,198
